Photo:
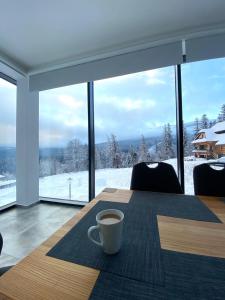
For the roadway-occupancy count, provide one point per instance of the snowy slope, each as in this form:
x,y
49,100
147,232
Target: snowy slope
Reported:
x,y
57,186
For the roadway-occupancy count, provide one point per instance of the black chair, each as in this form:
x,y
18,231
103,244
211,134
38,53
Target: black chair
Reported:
x,y
208,181
4,269
162,178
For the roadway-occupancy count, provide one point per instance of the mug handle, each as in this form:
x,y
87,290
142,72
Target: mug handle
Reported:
x,y
90,230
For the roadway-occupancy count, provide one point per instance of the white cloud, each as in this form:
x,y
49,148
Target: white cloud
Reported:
x,y
75,122
69,101
126,104
155,77
136,104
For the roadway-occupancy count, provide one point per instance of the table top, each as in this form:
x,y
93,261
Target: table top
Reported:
x,y
39,276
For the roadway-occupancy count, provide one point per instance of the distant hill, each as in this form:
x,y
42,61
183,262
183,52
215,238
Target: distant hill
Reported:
x,y
153,137
51,152
7,152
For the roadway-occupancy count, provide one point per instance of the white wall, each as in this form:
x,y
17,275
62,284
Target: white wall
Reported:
x,y
27,148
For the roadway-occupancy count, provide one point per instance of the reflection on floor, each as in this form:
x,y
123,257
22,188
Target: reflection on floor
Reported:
x,y
23,229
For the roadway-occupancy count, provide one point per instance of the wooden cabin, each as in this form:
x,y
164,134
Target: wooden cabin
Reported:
x,y
210,142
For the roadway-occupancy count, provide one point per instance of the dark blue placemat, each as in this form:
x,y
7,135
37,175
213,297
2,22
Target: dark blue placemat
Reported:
x,y
139,257
141,270
174,205
187,276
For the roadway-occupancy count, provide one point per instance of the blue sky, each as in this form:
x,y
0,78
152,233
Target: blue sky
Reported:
x,y
127,106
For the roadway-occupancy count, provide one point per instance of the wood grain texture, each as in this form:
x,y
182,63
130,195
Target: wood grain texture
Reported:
x,y
39,277
216,205
117,196
196,237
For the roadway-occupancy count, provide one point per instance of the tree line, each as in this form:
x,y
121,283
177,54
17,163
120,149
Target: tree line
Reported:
x,y
204,122
74,158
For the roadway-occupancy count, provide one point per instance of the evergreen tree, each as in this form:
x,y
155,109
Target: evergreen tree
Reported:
x,y
132,157
143,151
114,153
76,157
196,126
223,112
211,124
167,144
98,161
158,151
221,116
204,122
185,141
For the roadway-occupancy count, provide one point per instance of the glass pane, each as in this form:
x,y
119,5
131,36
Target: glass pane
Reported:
x,y
64,143
135,120
204,114
7,143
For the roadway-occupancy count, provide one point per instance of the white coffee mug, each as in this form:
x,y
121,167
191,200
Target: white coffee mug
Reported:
x,y
110,227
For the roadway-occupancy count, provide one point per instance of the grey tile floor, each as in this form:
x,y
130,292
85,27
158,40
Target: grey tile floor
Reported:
x,y
23,229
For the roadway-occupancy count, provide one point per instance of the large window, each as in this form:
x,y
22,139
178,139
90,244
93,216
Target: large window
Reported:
x,y
7,143
64,143
204,115
135,120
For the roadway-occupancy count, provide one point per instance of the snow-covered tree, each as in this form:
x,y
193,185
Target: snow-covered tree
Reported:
x,y
221,116
167,143
50,166
223,112
132,157
76,156
204,122
114,154
211,123
98,161
157,155
143,150
187,138
185,141
196,126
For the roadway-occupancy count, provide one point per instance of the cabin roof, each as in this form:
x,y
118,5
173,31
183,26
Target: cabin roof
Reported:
x,y
212,134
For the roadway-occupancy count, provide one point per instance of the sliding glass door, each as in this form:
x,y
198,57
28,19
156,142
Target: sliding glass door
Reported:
x,y
204,115
63,138
135,120
7,143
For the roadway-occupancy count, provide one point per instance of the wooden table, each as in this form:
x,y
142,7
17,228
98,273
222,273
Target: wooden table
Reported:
x,y
42,277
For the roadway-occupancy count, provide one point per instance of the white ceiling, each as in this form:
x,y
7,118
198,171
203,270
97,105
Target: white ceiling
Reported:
x,y
43,34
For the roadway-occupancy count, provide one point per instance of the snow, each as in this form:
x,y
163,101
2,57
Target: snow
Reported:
x,y
7,195
212,134
6,182
221,159
221,139
220,126
57,186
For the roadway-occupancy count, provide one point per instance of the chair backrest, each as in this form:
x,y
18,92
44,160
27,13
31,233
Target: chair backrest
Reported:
x,y
162,178
208,181
1,243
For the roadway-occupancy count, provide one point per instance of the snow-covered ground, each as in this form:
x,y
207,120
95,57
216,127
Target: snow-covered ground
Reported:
x,y
57,186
